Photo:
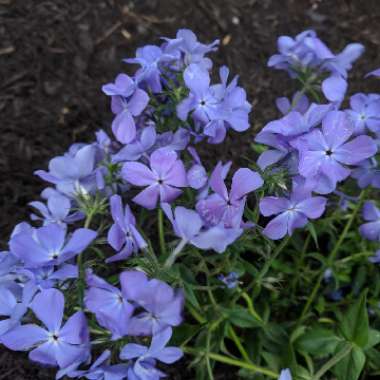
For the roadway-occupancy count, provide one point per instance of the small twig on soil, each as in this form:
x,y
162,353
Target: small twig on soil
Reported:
x,y
7,50
109,32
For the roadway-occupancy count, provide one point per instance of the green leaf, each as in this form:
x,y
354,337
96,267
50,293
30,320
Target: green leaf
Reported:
x,y
351,366
190,295
354,325
373,338
239,316
313,233
318,341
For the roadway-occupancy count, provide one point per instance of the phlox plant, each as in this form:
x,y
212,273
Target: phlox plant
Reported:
x,y
142,258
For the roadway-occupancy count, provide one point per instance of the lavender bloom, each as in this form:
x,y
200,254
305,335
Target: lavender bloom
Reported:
x,y
57,210
110,305
165,175
201,100
234,108
188,226
215,107
9,265
173,141
292,212
74,172
145,140
307,51
143,367
102,370
55,344
14,305
279,134
364,113
49,276
375,259
228,207
374,73
128,101
189,49
48,245
231,281
285,375
300,103
325,152
367,173
197,177
158,311
149,58
371,214
123,235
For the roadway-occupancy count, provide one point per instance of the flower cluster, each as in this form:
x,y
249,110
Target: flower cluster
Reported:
x,y
52,267
63,298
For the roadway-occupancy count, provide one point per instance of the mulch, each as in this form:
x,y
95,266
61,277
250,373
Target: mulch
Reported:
x,y
56,54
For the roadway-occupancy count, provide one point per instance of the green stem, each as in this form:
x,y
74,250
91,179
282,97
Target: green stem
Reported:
x,y
161,235
333,361
173,256
238,344
208,363
251,309
235,362
331,257
81,269
273,257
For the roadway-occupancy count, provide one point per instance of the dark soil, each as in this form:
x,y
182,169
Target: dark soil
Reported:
x,y
56,54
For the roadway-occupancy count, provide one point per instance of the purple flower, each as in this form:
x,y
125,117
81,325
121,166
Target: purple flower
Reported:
x,y
149,58
292,212
123,235
189,48
365,113
50,276
9,265
231,280
228,207
102,370
197,177
188,226
14,305
57,210
144,366
371,214
300,101
55,344
145,140
165,175
325,152
215,107
367,173
128,101
374,73
307,51
74,172
279,134
234,107
173,141
285,375
160,304
48,245
110,305
375,259
201,100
